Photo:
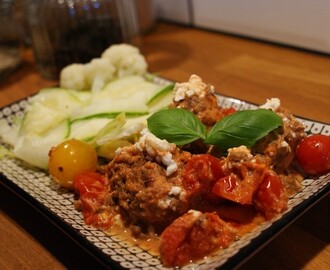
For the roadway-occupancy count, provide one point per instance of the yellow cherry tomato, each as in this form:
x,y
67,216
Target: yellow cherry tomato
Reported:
x,y
70,158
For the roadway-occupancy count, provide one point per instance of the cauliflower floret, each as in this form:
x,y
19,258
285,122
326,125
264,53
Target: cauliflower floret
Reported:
x,y
117,61
126,59
73,77
98,72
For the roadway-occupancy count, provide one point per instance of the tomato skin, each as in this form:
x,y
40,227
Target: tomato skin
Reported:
x,y
193,236
225,186
313,154
271,197
90,182
93,189
69,159
200,172
239,185
229,111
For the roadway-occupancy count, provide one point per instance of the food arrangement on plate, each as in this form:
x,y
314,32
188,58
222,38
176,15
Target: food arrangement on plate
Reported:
x,y
167,163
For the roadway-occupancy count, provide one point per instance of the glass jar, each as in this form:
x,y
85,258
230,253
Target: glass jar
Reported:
x,y
76,31
10,38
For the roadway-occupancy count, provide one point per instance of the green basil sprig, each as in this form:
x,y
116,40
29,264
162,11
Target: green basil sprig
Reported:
x,y
177,126
181,127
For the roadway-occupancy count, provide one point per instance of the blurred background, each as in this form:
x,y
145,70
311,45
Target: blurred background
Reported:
x,y
66,31
303,23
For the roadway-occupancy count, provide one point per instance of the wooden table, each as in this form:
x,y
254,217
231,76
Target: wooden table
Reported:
x,y
237,67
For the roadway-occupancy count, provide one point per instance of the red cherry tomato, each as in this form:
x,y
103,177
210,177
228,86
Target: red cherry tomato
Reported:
x,y
313,154
240,184
271,197
192,236
229,111
225,187
93,190
200,173
89,182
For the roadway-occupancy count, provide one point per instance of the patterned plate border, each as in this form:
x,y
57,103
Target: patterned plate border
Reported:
x,y
36,187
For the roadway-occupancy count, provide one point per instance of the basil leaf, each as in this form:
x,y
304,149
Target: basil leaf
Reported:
x,y
176,125
243,128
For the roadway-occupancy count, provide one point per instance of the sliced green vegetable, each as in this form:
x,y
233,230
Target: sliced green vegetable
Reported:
x,y
86,129
112,128
108,115
112,107
120,128
5,152
177,126
134,88
161,103
48,109
243,128
34,148
8,133
162,91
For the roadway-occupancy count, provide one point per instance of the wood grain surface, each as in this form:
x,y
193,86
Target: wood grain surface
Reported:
x,y
246,69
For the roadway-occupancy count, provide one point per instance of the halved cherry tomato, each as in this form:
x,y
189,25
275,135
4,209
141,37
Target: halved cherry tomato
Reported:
x,y
96,212
225,187
241,184
313,154
201,172
229,111
93,190
271,197
90,182
193,236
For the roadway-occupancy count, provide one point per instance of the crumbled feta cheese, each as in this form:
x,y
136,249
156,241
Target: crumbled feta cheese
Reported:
x,y
170,163
195,213
293,135
183,195
272,104
164,203
284,144
161,150
195,86
239,154
118,150
175,191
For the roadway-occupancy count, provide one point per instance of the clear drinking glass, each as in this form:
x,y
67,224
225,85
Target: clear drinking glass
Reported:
x,y
10,38
76,31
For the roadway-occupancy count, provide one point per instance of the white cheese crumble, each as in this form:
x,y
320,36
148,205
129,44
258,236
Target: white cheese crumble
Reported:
x,y
158,149
195,86
272,104
178,192
284,144
239,154
175,190
195,213
164,203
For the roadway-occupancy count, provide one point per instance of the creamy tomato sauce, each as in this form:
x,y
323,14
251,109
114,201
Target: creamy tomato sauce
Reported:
x,y
185,203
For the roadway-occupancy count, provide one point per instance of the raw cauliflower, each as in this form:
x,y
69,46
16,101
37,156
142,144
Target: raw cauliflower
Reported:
x,y
73,77
127,60
98,73
116,62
